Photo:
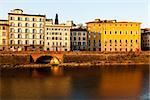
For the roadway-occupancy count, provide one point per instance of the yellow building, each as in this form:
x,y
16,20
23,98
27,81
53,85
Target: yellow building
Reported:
x,y
26,31
4,27
110,35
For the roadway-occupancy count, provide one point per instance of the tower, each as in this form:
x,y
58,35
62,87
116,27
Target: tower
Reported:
x,y
56,19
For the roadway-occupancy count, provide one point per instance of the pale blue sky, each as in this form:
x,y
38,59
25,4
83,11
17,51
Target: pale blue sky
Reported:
x,y
82,11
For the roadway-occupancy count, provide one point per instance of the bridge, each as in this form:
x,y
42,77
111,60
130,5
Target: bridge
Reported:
x,y
53,58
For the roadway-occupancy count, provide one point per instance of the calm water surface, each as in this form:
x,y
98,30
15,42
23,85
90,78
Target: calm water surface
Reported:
x,y
119,83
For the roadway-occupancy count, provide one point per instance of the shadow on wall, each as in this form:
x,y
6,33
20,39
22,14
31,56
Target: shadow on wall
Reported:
x,y
44,59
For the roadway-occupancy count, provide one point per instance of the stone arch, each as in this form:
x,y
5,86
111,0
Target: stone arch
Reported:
x,y
45,59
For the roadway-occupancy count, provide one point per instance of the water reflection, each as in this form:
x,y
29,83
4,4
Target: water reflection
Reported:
x,y
75,84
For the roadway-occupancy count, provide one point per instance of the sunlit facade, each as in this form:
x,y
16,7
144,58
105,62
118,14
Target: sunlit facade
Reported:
x,y
26,31
4,27
57,37
110,35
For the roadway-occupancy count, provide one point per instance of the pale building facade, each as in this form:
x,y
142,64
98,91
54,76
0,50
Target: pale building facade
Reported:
x,y
57,37
4,27
78,39
110,35
26,31
145,39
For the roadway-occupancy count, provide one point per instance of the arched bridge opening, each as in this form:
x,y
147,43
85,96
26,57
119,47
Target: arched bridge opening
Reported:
x,y
44,59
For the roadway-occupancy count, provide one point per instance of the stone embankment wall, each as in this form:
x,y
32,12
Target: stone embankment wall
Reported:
x,y
99,57
15,59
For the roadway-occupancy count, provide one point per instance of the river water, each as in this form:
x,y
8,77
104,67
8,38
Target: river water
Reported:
x,y
107,83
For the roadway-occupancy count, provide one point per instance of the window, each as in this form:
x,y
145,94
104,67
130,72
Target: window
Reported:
x,y
131,32
110,41
19,18
120,41
115,49
27,36
65,38
79,33
19,36
41,26
83,38
11,29
19,24
26,19
65,43
12,24
115,32
4,34
65,33
34,19
27,31
41,31
27,42
34,25
110,32
105,32
120,32
4,41
131,41
79,38
34,30
40,19
115,41
26,25
74,38
83,34
137,41
19,30
4,28
19,42
34,42
11,18
40,36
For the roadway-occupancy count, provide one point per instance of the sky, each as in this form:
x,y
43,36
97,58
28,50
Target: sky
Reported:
x,y
82,11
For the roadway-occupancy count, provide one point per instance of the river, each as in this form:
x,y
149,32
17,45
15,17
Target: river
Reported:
x,y
107,83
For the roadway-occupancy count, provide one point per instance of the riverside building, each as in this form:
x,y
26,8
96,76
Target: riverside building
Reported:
x,y
57,36
78,39
110,35
26,31
145,39
4,27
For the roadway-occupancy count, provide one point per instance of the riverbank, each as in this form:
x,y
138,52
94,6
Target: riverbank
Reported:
x,y
70,65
